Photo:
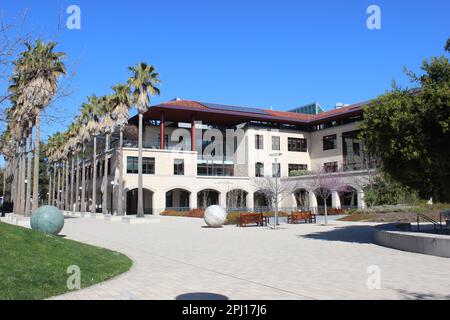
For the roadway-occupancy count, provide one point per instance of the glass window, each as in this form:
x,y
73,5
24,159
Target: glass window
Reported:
x,y
330,166
330,142
178,167
259,142
297,145
259,169
148,165
276,170
292,167
276,143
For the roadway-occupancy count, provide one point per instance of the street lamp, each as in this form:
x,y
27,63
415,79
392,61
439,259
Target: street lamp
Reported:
x,y
277,174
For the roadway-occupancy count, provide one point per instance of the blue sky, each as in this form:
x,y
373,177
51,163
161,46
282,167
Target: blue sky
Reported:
x,y
253,53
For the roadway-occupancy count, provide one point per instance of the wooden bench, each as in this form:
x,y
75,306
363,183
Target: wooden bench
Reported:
x,y
251,218
306,216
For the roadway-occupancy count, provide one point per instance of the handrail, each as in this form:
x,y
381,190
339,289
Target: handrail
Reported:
x,y
427,218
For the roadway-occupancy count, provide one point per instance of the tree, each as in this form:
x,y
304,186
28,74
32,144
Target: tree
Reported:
x,y
409,130
274,191
143,82
121,100
323,183
447,45
107,127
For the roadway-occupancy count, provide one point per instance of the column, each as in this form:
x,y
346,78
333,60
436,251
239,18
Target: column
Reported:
x,y
193,200
158,203
162,130
361,202
193,146
335,200
249,201
223,199
312,201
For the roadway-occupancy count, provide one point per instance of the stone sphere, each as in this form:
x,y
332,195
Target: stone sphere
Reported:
x,y
215,216
47,219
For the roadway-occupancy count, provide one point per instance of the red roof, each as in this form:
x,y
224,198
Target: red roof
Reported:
x,y
182,110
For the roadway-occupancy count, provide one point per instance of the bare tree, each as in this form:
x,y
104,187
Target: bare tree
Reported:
x,y
323,183
274,190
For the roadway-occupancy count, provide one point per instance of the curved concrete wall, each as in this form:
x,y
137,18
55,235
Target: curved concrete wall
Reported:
x,y
432,244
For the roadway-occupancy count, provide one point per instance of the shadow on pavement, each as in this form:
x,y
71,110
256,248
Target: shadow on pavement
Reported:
x,y
355,234
201,296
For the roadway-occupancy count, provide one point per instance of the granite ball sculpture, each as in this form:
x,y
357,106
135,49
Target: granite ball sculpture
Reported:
x,y
47,219
215,216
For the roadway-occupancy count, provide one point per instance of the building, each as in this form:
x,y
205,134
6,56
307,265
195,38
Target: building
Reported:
x,y
197,154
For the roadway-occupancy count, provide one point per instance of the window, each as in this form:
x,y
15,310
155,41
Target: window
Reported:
x,y
297,145
259,169
166,140
276,143
276,170
178,167
330,166
292,167
259,142
148,165
329,142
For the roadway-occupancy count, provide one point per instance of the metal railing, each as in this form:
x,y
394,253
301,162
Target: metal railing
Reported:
x,y
428,219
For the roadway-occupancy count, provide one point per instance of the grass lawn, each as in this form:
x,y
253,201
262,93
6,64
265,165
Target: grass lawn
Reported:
x,y
34,265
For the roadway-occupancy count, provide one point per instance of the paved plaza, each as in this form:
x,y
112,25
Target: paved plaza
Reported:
x,y
179,258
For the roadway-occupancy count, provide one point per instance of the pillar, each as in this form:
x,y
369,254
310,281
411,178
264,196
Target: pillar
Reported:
x,y
158,202
193,146
312,201
223,199
249,201
193,200
162,130
335,200
361,202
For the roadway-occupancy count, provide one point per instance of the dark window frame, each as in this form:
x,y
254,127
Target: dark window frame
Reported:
x,y
297,144
329,142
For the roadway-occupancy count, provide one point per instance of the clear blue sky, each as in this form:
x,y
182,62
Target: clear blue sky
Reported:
x,y
253,53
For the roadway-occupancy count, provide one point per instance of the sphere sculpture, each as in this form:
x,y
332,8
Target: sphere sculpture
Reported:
x,y
215,216
47,219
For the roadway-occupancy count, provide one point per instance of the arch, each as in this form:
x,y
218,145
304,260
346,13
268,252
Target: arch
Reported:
x,y
260,202
131,201
178,199
301,196
207,197
320,201
236,200
348,196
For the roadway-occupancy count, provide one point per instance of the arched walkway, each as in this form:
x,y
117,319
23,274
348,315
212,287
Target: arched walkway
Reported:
x,y
132,199
260,202
321,201
178,199
237,200
207,197
302,199
348,197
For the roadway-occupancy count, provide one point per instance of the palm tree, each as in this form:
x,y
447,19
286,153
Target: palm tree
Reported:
x,y
90,112
121,101
143,82
36,80
107,127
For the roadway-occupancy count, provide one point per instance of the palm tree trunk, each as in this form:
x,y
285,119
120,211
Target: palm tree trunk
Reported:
x,y
5,172
72,185
120,163
140,204
58,189
36,163
28,183
50,186
83,183
54,184
77,184
94,178
105,179
66,190
17,178
22,181
63,191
